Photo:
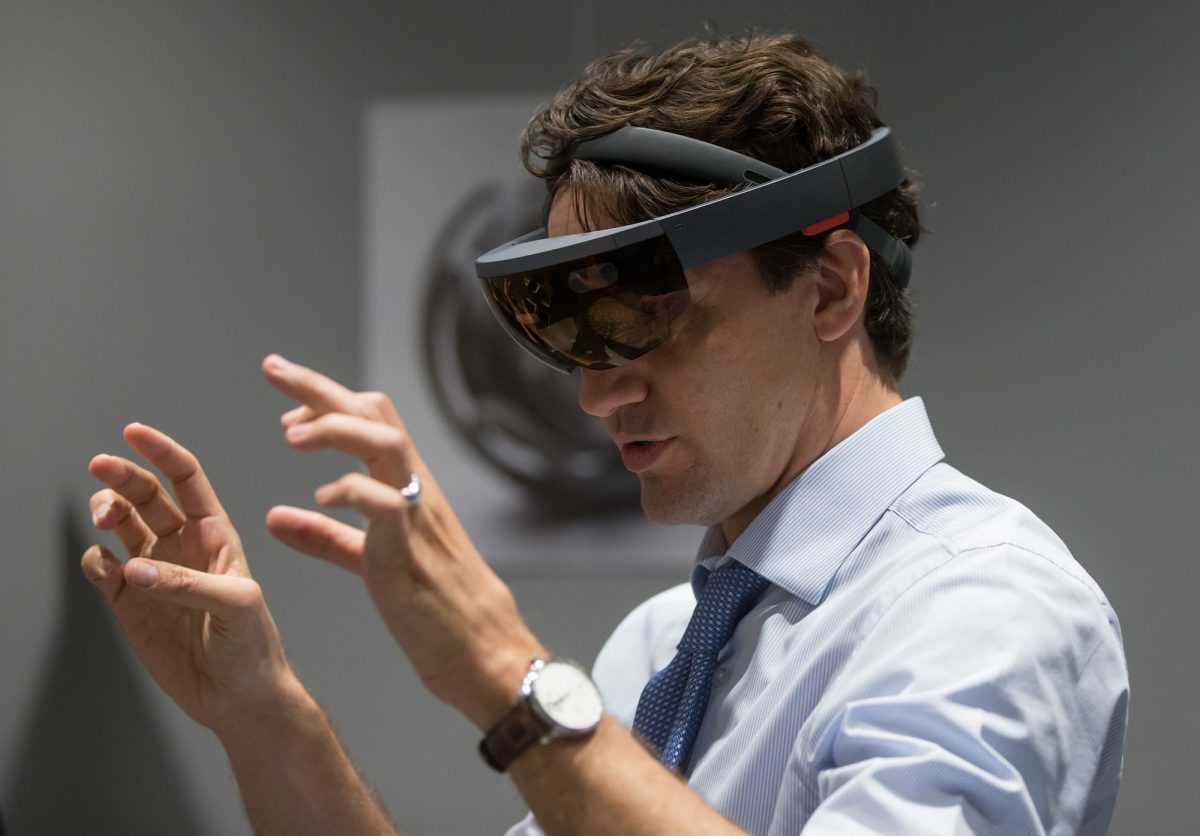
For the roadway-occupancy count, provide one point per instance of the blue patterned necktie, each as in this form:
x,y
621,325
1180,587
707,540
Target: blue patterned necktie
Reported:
x,y
673,701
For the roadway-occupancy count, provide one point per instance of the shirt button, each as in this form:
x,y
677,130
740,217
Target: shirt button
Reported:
x,y
720,677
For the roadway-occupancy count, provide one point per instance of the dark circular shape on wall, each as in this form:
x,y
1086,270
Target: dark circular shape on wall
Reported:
x,y
522,417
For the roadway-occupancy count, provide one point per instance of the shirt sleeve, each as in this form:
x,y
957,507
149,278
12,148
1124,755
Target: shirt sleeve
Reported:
x,y
988,697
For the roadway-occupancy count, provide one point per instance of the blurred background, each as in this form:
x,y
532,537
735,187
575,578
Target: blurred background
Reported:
x,y
187,186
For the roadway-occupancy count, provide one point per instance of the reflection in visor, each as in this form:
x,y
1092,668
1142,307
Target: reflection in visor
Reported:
x,y
597,312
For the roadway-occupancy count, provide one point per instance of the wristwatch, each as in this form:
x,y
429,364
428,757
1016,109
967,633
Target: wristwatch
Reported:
x,y
557,699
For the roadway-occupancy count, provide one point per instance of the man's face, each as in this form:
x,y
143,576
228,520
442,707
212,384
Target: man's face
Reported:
x,y
719,418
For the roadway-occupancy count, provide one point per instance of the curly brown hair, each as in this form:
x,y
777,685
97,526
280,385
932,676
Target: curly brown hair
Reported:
x,y
771,97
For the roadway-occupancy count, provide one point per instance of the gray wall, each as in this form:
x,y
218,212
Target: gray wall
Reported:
x,y
180,194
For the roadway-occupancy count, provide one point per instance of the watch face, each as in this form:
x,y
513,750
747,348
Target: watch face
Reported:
x,y
567,697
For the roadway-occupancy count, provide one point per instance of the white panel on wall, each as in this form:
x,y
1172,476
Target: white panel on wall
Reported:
x,y
536,488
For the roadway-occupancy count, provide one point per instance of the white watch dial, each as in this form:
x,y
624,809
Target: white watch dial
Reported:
x,y
567,696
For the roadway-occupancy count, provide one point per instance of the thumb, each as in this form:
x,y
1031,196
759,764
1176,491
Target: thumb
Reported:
x,y
227,597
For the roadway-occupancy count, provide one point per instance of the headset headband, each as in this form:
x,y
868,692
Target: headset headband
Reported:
x,y
864,168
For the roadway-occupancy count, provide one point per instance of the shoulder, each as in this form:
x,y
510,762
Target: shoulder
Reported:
x,y
976,639
639,647
968,530
956,576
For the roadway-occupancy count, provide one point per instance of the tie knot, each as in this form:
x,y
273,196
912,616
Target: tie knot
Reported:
x,y
729,594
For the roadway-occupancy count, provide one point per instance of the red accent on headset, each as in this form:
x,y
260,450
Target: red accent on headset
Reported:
x,y
828,223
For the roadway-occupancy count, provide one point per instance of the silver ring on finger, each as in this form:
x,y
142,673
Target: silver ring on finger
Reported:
x,y
412,491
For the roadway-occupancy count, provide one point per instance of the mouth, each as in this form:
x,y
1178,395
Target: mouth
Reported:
x,y
639,455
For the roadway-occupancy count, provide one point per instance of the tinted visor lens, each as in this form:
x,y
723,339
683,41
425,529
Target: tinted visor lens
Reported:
x,y
597,312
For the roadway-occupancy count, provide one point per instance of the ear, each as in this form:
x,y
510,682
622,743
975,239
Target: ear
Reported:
x,y
843,277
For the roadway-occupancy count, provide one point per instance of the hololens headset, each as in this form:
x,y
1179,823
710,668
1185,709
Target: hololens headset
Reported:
x,y
599,299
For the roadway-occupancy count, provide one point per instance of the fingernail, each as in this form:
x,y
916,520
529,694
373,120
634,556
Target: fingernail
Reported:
x,y
297,432
99,513
143,573
292,414
274,361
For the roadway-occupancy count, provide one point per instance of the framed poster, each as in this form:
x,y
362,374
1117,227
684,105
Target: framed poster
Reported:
x,y
537,483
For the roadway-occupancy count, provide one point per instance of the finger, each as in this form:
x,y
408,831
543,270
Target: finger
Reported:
x,y
370,497
103,569
142,488
385,449
225,596
192,488
313,389
113,512
318,535
297,415
379,406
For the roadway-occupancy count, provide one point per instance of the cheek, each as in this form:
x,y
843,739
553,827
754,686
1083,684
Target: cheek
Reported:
x,y
756,390
720,397
735,372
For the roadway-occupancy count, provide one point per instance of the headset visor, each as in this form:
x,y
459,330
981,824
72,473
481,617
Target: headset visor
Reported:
x,y
596,311
598,299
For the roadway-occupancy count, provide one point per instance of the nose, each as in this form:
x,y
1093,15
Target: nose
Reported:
x,y
601,393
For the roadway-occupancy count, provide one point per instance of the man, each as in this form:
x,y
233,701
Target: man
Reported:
x,y
877,643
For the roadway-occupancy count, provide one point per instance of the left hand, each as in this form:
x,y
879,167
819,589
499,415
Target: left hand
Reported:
x,y
185,599
453,617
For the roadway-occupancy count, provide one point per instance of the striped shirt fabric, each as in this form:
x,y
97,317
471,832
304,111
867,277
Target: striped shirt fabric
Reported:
x,y
928,659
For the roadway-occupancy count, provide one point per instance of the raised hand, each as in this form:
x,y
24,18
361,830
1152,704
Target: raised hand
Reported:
x,y
185,599
452,616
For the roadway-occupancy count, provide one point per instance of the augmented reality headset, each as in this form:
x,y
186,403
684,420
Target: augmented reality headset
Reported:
x,y
600,299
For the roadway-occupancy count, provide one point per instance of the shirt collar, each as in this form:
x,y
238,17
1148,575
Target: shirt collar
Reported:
x,y
806,532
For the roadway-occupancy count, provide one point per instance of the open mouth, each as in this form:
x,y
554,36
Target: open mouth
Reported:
x,y
639,455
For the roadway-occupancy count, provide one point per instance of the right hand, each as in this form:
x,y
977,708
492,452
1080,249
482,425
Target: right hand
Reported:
x,y
455,620
185,599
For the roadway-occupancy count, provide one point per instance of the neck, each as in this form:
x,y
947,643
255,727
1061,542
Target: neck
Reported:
x,y
860,394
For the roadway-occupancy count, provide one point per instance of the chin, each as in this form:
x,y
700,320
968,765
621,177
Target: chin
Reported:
x,y
692,502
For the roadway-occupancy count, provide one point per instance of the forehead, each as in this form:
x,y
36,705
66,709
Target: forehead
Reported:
x,y
563,218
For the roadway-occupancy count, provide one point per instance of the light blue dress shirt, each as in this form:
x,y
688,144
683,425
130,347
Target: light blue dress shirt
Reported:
x,y
929,659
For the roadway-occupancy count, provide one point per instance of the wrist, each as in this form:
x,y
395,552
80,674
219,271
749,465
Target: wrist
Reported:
x,y
557,700
287,709
499,682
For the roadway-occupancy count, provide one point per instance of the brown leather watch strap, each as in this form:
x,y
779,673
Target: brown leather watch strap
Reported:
x,y
517,730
